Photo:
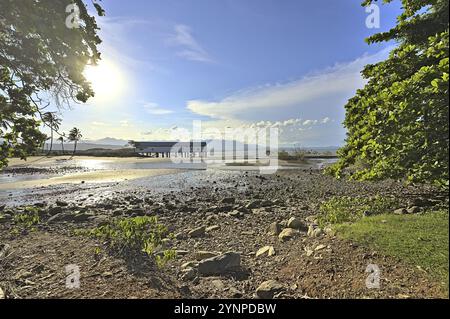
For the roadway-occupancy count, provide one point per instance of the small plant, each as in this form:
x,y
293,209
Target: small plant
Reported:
x,y
349,209
167,255
27,220
134,235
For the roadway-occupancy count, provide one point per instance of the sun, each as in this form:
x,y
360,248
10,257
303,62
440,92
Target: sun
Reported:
x,y
106,79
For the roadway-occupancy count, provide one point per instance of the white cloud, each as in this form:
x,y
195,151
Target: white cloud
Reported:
x,y
124,123
188,46
95,123
155,109
309,122
311,95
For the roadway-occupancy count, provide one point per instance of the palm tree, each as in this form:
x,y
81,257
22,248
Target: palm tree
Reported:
x,y
75,136
52,121
61,139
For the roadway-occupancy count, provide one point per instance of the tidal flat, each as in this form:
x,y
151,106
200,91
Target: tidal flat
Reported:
x,y
235,233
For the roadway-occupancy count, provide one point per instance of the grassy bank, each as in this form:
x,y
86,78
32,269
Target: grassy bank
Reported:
x,y
420,240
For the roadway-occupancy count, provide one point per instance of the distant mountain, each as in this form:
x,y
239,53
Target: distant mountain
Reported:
x,y
108,141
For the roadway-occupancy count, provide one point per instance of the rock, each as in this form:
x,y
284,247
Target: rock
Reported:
x,y
225,209
296,223
81,217
54,210
189,273
2,294
400,211
413,210
235,213
253,204
311,218
212,228
61,203
218,284
329,231
244,210
266,203
268,289
319,247
275,229
235,293
287,234
185,291
317,232
181,252
56,217
228,200
202,254
314,231
197,232
220,264
189,264
266,250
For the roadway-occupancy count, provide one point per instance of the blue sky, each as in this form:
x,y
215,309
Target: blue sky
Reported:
x,y
290,64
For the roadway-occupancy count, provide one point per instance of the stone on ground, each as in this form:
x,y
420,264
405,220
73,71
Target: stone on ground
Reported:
x,y
268,289
287,234
220,264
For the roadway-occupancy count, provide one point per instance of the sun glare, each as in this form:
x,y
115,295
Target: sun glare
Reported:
x,y
106,79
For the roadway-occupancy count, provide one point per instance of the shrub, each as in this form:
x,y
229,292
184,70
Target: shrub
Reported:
x,y
26,220
350,209
134,235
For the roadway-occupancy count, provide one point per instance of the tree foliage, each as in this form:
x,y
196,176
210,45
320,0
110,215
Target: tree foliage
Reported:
x,y
397,125
74,136
41,60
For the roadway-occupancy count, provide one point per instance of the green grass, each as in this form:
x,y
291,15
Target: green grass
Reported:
x,y
420,240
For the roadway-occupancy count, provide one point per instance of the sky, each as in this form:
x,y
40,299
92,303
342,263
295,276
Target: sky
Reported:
x,y
289,64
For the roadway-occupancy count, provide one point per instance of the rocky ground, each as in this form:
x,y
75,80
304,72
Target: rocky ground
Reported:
x,y
237,235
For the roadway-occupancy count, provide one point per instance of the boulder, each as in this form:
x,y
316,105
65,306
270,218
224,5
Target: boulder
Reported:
x,y
220,264
287,234
296,223
268,289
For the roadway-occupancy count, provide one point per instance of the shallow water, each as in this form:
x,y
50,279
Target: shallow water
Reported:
x,y
93,164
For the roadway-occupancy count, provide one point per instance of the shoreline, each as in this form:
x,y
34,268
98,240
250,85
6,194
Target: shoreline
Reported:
x,y
229,211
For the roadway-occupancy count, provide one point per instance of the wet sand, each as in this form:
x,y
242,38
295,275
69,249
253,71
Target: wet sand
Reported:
x,y
100,176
